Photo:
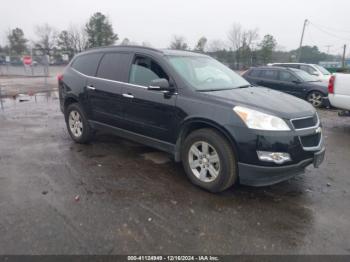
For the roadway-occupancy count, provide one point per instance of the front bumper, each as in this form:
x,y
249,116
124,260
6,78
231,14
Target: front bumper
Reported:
x,y
304,145
254,175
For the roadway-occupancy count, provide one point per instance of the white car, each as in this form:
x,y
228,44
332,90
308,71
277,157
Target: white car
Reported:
x,y
339,91
316,70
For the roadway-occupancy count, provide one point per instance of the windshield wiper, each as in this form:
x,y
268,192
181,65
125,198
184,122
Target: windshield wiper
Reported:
x,y
223,89
213,90
244,86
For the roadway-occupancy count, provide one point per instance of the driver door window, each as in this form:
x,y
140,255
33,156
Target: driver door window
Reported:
x,y
144,70
286,77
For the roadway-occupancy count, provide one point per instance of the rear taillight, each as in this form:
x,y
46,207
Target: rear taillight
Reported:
x,y
60,77
331,85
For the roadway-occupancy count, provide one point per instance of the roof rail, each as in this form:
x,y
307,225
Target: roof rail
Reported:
x,y
125,46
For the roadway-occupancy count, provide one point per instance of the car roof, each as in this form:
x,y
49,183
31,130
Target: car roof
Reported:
x,y
270,67
144,49
276,68
291,64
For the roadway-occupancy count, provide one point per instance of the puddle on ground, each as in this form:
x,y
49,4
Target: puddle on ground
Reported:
x,y
6,102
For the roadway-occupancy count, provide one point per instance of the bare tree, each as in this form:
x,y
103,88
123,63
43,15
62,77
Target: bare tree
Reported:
x,y
178,42
46,38
241,42
234,36
216,45
78,38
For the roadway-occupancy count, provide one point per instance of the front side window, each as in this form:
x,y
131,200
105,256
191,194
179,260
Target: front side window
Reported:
x,y
205,73
305,77
144,70
87,64
322,69
308,69
286,76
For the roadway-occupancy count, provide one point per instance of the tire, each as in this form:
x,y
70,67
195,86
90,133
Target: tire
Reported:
x,y
77,124
315,98
215,176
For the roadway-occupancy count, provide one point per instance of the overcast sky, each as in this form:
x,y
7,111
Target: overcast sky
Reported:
x,y
156,21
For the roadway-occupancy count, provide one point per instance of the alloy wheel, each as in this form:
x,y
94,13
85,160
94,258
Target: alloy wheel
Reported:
x,y
315,99
204,161
75,123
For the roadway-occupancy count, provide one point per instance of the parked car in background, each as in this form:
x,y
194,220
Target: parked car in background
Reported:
x,y
221,128
292,81
339,91
316,70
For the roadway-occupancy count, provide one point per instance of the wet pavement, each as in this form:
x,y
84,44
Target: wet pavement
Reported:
x,y
117,197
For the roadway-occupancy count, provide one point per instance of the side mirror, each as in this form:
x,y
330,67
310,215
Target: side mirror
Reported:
x,y
159,84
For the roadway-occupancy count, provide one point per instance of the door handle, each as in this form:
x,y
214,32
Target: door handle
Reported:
x,y
91,87
128,96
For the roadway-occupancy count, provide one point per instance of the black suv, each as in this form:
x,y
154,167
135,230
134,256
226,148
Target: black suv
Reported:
x,y
188,104
292,81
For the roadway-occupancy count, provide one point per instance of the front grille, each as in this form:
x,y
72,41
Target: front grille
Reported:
x,y
311,140
305,122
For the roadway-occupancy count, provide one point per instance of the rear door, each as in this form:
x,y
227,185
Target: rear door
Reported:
x,y
148,112
104,91
269,78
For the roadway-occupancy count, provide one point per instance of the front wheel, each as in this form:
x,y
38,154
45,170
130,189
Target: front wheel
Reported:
x,y
315,98
209,160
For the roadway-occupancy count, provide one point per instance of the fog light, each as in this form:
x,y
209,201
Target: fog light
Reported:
x,y
276,157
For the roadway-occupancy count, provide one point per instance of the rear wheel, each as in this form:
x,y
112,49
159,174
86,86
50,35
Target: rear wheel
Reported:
x,y
315,98
209,160
77,124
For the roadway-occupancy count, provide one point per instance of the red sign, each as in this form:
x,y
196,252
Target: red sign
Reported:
x,y
27,60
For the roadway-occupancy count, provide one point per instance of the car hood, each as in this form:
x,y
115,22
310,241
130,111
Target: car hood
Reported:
x,y
266,100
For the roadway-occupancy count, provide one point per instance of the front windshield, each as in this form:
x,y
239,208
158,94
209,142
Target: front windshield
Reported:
x,y
322,69
305,77
206,74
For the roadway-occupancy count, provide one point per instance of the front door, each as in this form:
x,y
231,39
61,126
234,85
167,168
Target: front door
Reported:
x,y
149,112
290,84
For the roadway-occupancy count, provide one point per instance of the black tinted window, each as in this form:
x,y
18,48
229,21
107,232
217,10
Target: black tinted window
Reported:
x,y
87,64
269,74
254,73
144,70
286,76
114,66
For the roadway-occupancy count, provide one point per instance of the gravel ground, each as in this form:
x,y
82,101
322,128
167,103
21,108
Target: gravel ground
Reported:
x,y
117,197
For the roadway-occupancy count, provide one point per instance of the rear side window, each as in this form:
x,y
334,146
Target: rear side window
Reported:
x,y
87,64
114,66
269,74
254,73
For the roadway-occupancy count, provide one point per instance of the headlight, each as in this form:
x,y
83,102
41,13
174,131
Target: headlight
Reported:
x,y
258,120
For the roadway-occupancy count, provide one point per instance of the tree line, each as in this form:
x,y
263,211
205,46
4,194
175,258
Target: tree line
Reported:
x,y
242,48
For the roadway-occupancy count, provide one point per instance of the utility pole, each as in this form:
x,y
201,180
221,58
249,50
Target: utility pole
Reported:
x,y
343,60
301,40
